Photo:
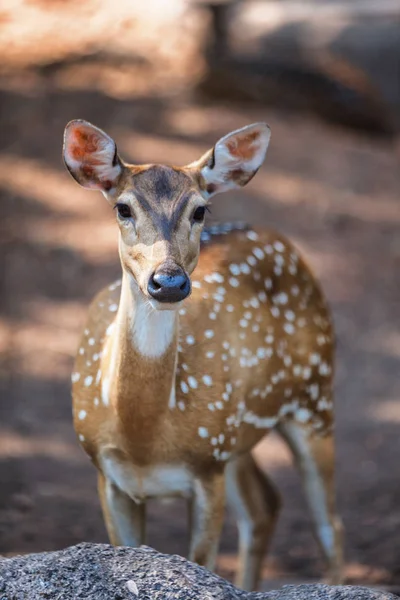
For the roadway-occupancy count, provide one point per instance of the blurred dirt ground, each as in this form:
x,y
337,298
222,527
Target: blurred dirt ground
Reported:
x,y
335,194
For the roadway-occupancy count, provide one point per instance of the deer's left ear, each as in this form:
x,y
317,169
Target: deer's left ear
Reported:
x,y
90,155
234,160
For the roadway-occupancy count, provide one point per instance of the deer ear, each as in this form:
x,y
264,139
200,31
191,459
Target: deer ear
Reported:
x,y
235,159
90,155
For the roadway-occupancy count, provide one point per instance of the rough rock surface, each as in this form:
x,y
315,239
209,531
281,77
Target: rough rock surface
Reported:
x,y
102,572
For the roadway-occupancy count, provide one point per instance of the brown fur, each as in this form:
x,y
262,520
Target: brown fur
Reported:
x,y
147,426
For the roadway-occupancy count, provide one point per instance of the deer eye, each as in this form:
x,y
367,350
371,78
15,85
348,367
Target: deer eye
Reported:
x,y
124,211
198,215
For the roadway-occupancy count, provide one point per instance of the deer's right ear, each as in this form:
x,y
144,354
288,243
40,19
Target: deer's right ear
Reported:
x,y
90,155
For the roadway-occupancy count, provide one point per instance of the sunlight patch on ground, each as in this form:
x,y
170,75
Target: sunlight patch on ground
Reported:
x,y
287,188
149,148
96,241
383,340
386,411
13,445
43,344
36,181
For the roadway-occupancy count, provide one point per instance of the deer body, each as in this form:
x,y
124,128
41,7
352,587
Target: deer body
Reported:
x,y
171,402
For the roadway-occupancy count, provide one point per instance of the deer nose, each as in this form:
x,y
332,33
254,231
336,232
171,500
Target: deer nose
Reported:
x,y
169,284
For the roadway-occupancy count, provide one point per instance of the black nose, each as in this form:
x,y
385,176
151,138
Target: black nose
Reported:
x,y
169,284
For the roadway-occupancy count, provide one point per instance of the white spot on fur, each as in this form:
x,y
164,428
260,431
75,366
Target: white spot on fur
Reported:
x,y
207,380
275,312
234,269
82,415
75,377
324,369
259,422
289,328
324,404
279,247
303,415
314,391
203,432
192,381
88,380
262,296
113,307
315,358
234,282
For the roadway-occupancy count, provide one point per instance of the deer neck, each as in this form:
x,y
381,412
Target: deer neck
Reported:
x,y
141,356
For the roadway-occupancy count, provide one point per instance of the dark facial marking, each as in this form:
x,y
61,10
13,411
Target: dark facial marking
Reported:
x,y
162,192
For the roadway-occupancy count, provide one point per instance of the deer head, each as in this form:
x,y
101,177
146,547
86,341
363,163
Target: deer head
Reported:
x,y
160,210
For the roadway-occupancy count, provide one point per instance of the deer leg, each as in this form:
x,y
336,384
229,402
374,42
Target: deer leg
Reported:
x,y
255,502
314,456
207,519
125,520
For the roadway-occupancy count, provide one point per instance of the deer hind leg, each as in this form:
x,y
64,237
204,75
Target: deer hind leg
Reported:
x,y
125,520
256,503
314,456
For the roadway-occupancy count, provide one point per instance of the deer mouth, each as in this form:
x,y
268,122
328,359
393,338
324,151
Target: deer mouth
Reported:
x,y
165,305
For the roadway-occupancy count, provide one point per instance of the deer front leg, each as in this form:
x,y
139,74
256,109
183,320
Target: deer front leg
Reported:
x,y
256,503
208,506
125,520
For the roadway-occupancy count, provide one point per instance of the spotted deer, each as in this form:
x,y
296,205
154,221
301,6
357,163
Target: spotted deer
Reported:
x,y
212,338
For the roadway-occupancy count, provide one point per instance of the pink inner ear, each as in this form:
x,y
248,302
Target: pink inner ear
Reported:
x,y
84,145
243,147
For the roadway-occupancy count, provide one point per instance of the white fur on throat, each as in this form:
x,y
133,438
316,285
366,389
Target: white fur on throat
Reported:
x,y
152,330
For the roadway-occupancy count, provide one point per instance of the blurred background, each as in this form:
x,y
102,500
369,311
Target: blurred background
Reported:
x,y
166,79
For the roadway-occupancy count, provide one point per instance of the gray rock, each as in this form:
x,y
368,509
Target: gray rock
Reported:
x,y
102,572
